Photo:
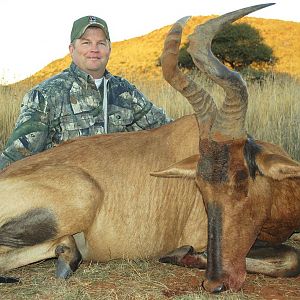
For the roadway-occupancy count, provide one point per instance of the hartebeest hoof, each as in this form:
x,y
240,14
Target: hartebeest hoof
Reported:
x,y
295,237
174,257
186,256
68,261
9,280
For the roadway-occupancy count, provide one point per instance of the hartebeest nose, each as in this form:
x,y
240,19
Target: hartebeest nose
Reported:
x,y
219,289
213,287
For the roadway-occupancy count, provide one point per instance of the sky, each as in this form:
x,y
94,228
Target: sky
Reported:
x,y
33,33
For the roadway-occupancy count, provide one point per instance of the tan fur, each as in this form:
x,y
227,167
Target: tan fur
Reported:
x,y
102,186
278,166
266,208
242,206
100,189
274,193
183,169
24,256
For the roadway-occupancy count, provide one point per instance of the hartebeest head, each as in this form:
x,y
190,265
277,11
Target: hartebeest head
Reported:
x,y
222,174
228,160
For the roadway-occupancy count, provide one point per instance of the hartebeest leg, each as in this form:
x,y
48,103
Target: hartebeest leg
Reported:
x,y
64,248
186,256
68,258
279,261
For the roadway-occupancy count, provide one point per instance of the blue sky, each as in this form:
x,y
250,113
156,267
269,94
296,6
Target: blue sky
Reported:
x,y
36,32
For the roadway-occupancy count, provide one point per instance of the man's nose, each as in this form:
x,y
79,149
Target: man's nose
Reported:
x,y
95,47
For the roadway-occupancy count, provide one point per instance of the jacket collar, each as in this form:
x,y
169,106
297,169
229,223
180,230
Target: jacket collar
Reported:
x,y
84,77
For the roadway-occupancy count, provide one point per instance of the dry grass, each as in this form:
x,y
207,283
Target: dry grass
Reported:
x,y
136,279
273,115
10,98
273,110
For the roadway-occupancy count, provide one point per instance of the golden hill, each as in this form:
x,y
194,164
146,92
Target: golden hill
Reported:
x,y
136,58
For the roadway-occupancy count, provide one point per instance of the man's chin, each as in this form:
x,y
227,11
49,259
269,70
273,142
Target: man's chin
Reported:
x,y
95,67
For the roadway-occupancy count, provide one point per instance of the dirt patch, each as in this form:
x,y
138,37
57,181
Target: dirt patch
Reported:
x,y
268,288
255,287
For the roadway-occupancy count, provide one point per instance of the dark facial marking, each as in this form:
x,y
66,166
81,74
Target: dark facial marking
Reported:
x,y
9,279
241,175
213,164
31,228
241,183
214,247
251,149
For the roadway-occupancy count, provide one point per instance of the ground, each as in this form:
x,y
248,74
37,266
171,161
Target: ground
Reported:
x,y
138,279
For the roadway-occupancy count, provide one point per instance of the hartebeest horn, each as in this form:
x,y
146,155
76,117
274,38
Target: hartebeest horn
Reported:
x,y
201,101
230,119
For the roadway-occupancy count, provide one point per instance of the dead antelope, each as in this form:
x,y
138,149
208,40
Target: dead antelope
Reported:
x,y
106,206
250,188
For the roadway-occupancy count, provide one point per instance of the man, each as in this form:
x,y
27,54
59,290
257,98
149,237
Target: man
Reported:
x,y
85,99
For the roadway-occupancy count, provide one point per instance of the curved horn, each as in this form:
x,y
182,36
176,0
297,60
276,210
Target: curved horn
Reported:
x,y
230,119
202,103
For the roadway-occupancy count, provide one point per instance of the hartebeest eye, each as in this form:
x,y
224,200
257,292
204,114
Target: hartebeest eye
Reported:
x,y
241,175
241,182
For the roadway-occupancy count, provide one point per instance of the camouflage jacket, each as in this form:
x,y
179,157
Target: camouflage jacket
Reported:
x,y
69,105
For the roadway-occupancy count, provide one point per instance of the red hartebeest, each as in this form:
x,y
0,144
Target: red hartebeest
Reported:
x,y
250,188
106,205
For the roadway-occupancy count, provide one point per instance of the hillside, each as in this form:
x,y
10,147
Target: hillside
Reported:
x,y
136,58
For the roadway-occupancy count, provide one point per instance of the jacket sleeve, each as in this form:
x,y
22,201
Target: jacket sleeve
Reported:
x,y
31,130
146,114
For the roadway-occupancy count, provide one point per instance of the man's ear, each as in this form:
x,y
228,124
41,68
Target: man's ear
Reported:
x,y
277,166
71,48
185,168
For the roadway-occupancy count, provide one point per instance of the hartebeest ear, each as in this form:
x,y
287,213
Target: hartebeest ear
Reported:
x,y
185,168
277,166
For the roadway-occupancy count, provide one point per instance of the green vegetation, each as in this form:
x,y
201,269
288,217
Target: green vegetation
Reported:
x,y
238,46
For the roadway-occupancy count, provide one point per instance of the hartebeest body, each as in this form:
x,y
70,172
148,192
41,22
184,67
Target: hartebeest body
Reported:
x,y
113,208
109,195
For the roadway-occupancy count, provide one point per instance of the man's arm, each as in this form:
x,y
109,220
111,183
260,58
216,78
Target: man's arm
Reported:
x,y
31,130
146,114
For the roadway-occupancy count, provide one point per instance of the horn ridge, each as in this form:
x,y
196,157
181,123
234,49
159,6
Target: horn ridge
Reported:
x,y
229,122
201,101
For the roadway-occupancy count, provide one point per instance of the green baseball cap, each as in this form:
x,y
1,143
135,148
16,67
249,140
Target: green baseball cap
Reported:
x,y
80,26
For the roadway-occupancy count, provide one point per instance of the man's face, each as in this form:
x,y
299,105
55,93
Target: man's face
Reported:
x,y
91,52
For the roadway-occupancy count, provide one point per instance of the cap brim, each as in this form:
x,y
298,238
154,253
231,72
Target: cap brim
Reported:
x,y
93,25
